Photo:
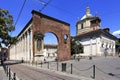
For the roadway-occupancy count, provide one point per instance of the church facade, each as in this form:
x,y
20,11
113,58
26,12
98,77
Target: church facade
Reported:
x,y
95,41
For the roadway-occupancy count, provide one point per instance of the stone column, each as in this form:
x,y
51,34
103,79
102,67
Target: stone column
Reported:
x,y
22,47
25,46
42,46
28,45
31,44
90,46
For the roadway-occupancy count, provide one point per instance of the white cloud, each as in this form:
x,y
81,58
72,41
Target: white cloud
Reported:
x,y
116,32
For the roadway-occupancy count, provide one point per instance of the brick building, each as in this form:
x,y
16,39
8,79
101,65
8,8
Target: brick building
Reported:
x,y
30,39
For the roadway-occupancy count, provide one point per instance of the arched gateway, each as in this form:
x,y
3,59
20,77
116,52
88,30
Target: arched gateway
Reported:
x,y
30,39
43,24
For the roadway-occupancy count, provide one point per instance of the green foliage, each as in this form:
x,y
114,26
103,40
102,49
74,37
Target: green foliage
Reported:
x,y
6,26
76,47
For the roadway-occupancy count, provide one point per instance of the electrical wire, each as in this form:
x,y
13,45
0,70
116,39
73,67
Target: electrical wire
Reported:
x,y
19,14
44,3
66,11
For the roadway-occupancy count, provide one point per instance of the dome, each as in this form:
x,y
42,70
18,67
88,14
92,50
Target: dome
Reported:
x,y
86,16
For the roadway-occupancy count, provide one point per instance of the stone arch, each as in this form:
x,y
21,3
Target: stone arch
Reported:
x,y
52,34
43,24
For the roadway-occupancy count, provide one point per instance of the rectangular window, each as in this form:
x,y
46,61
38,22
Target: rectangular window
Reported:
x,y
82,26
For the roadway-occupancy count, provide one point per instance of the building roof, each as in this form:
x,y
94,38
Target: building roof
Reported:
x,y
30,21
39,13
60,21
95,33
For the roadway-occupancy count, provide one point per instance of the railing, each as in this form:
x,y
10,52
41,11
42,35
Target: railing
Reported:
x,y
9,73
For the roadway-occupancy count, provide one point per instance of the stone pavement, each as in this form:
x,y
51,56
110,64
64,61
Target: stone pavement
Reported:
x,y
2,74
27,72
106,68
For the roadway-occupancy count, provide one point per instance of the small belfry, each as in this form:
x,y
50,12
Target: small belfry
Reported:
x,y
87,23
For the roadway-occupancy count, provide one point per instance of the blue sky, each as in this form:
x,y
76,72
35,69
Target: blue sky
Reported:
x,y
66,10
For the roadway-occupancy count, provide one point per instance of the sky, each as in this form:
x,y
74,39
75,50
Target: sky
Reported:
x,y
69,11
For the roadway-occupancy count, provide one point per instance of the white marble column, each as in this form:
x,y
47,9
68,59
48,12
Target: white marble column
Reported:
x,y
28,45
31,44
91,46
22,47
25,46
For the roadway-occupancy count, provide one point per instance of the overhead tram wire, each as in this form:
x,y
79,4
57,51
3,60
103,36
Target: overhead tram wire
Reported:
x,y
68,12
20,13
44,4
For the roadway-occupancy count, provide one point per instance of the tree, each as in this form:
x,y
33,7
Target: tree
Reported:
x,y
76,47
6,26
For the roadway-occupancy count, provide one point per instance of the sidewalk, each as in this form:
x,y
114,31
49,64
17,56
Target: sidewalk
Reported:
x,y
2,74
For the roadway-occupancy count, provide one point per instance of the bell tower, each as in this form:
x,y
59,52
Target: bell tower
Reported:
x,y
87,23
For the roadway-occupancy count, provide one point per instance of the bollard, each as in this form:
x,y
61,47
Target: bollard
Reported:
x,y
48,65
41,64
63,67
36,63
32,63
5,68
93,71
22,60
9,74
14,76
78,59
90,57
71,68
57,66
7,71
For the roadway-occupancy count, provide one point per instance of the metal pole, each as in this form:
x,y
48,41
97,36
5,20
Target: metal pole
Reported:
x,y
93,71
57,66
7,71
71,68
14,76
36,63
48,65
41,64
9,74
